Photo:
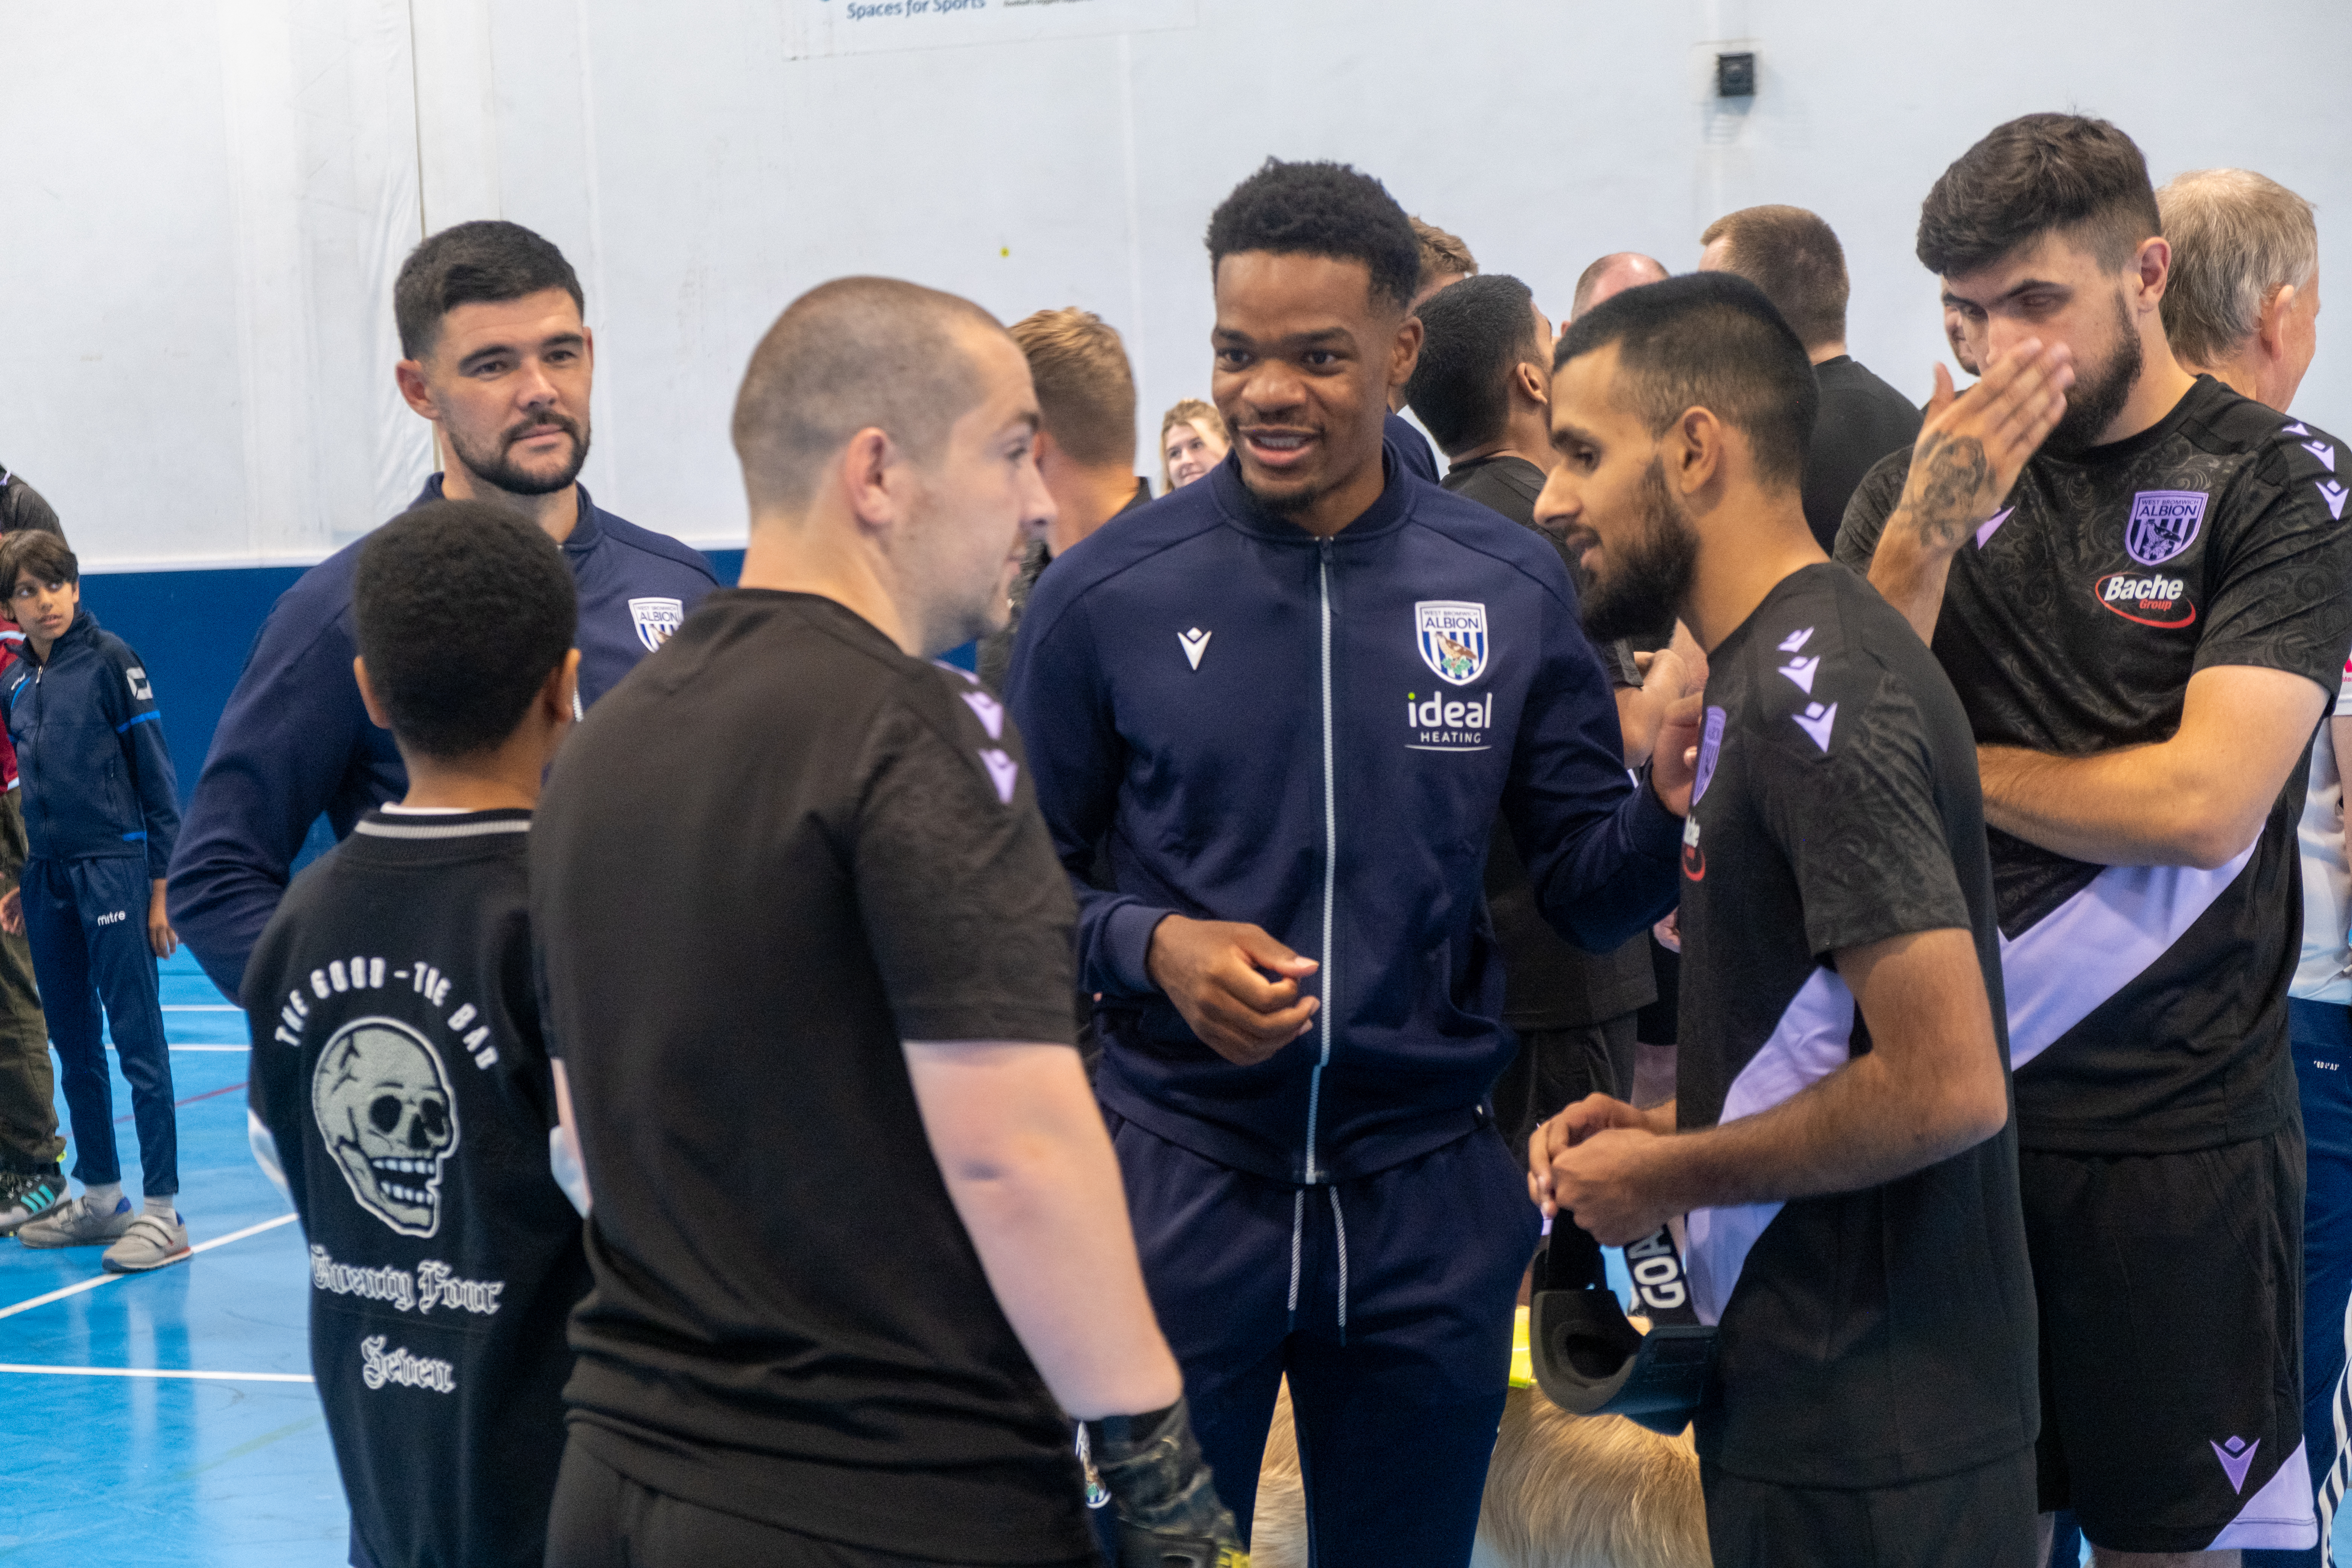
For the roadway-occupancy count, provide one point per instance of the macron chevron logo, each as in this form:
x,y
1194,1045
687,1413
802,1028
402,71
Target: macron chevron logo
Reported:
x,y
2237,1457
2332,494
1817,721
989,710
2324,452
1800,670
1985,528
1196,643
1003,771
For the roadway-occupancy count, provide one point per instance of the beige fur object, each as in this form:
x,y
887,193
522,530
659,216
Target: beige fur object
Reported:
x,y
1563,1492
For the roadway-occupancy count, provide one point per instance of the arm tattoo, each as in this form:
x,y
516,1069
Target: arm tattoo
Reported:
x,y
1950,497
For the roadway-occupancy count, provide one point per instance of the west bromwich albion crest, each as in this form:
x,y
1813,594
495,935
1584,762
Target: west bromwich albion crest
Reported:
x,y
656,619
2163,524
1452,638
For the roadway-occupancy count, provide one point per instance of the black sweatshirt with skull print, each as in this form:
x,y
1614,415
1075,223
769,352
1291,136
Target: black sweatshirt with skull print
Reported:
x,y
402,1087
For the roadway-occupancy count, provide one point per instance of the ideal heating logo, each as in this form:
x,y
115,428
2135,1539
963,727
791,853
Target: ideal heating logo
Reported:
x,y
1448,723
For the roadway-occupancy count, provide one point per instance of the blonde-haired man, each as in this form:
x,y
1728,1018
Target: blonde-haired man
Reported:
x,y
1086,448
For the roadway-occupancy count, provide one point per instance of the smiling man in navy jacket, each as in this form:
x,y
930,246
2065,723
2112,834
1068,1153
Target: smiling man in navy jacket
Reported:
x,y
1292,702
497,355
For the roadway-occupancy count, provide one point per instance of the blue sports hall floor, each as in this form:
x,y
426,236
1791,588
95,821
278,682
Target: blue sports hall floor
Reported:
x,y
167,1420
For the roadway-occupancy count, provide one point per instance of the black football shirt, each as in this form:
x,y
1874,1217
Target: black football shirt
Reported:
x,y
1879,1337
779,849
1860,420
399,1067
2146,1004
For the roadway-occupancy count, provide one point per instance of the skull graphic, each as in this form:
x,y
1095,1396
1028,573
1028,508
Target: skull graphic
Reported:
x,y
382,1105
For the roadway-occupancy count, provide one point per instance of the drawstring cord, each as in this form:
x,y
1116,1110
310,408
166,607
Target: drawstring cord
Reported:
x,y
1297,1236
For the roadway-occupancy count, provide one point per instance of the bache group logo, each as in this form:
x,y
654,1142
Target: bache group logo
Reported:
x,y
1452,636
2163,524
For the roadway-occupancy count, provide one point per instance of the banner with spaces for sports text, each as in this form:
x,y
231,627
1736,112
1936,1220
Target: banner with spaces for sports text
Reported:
x,y
819,27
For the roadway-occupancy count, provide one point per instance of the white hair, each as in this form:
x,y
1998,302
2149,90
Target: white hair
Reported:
x,y
2237,238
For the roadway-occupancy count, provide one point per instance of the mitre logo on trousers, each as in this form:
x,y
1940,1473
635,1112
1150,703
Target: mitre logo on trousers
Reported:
x,y
2163,524
1452,638
656,619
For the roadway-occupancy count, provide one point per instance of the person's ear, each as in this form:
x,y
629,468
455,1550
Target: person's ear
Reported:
x,y
867,468
2151,270
377,713
1404,350
409,374
2269,327
1531,381
560,693
1694,451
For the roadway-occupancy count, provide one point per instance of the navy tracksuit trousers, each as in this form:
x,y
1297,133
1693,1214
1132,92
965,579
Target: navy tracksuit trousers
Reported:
x,y
1386,1300
2322,1035
87,922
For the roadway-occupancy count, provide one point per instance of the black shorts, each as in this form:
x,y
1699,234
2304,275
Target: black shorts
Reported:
x,y
2170,1288
602,1519
1982,1517
1556,1068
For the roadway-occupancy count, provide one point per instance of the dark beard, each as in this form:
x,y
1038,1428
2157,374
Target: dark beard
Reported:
x,y
500,472
2095,400
1649,579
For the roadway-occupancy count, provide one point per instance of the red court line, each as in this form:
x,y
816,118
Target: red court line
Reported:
x,y
207,1094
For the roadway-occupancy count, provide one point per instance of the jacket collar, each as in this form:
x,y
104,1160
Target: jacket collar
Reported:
x,y
84,626
1386,514
586,533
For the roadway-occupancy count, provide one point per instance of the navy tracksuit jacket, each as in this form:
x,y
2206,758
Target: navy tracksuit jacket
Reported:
x,y
1316,736
295,741
100,815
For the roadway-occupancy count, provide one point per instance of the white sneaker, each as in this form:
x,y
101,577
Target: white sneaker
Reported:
x,y
149,1243
75,1223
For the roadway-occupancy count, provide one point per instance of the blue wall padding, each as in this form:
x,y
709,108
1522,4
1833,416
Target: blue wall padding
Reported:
x,y
194,629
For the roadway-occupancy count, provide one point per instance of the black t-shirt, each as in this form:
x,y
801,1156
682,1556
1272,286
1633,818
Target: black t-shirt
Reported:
x,y
1883,1336
777,850
399,1067
1861,420
2147,1004
1548,983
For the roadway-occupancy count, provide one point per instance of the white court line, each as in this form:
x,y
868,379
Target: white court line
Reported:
x,y
79,1285
239,1049
160,1372
202,1007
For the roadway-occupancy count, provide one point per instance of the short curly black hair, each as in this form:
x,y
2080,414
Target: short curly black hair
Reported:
x,y
1320,209
1474,333
464,609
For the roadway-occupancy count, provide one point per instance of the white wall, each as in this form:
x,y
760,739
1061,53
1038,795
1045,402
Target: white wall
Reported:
x,y
201,206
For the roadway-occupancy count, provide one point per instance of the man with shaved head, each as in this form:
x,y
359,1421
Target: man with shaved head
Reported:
x,y
1613,275
857,1233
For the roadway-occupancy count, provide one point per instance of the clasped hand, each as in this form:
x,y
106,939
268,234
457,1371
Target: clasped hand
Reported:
x,y
1597,1161
1234,984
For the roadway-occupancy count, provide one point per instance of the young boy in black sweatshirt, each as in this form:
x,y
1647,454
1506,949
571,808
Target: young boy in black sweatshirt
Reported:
x,y
401,1087
100,812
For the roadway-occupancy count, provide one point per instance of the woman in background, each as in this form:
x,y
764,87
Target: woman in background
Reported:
x,y
1192,440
